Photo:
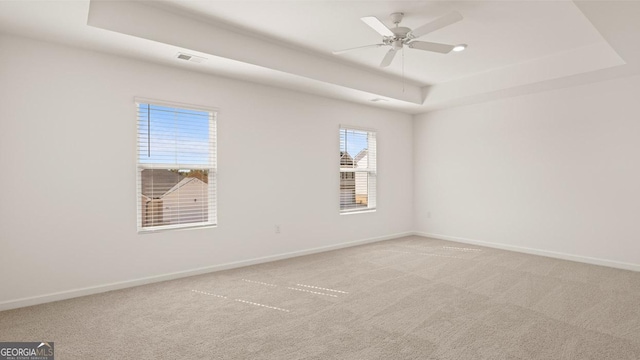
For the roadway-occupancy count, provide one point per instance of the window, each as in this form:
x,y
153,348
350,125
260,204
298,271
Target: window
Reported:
x,y
176,177
357,170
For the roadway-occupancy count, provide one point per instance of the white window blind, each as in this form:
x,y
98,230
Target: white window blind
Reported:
x,y
357,170
176,177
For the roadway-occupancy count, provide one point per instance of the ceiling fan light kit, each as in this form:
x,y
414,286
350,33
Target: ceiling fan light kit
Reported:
x,y
399,36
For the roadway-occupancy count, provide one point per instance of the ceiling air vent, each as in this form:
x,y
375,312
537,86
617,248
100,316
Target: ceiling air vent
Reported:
x,y
192,58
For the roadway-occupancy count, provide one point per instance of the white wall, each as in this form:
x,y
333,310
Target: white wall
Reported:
x,y
67,144
557,171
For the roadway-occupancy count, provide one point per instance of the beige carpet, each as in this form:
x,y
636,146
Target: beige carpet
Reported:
x,y
410,298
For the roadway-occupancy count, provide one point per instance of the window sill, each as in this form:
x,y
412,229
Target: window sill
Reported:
x,y
353,212
175,228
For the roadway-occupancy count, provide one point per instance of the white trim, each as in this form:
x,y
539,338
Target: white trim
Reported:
x,y
363,211
358,128
62,295
370,170
212,178
154,166
187,226
140,100
212,167
345,169
526,250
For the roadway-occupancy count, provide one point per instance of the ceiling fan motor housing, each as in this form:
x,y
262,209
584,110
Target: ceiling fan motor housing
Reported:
x,y
399,38
400,31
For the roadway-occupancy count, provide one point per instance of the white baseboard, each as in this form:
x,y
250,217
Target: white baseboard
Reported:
x,y
68,294
526,250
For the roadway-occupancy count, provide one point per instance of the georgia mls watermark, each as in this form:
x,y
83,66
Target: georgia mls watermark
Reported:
x,y
26,351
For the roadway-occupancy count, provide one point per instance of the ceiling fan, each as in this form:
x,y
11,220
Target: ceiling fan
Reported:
x,y
399,36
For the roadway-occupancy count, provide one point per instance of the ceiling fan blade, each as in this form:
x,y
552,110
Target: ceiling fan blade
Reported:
x,y
388,58
356,48
431,46
377,25
439,23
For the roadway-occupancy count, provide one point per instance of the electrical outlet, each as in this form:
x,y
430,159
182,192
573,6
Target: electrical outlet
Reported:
x,y
277,229
428,214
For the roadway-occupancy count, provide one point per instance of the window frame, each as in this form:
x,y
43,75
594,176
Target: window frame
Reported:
x,y
212,190
371,170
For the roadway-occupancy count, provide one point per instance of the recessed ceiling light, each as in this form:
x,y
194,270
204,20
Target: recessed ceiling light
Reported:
x,y
460,47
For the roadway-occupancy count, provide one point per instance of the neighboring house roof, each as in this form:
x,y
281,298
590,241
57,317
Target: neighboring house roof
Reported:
x,y
360,155
182,183
156,182
346,159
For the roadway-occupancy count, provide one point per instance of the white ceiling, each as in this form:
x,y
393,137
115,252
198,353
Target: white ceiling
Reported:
x,y
499,33
514,46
